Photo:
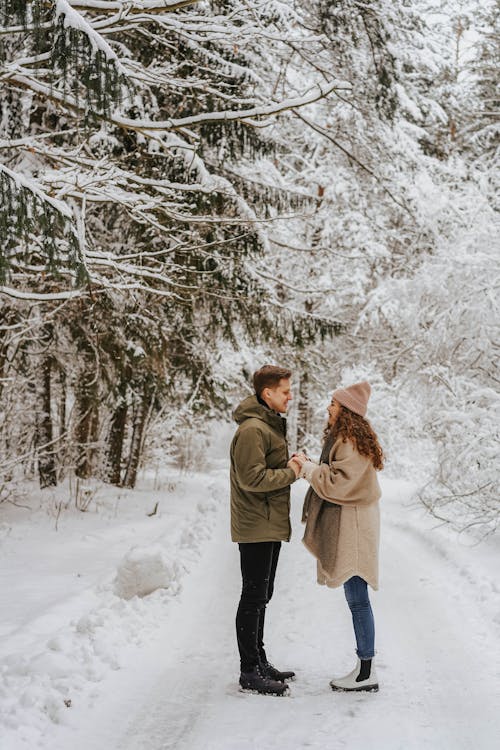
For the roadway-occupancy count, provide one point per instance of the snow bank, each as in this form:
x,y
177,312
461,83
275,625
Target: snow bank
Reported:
x,y
144,570
91,598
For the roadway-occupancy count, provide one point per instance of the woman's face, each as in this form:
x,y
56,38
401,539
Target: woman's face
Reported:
x,y
333,412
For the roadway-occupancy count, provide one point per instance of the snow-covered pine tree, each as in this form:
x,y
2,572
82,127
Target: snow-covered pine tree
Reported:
x,y
120,135
481,128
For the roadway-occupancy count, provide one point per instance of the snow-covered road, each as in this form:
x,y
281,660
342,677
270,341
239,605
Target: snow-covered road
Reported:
x,y
438,626
438,655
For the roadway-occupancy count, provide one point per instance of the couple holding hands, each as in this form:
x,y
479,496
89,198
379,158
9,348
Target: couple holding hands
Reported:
x,y
341,516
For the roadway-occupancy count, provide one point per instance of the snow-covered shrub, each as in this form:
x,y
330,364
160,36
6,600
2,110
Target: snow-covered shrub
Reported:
x,y
441,323
466,434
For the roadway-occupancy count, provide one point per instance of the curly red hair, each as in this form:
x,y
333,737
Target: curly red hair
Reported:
x,y
357,429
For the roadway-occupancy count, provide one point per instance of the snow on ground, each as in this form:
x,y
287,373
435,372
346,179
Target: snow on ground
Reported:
x,y
85,668
67,617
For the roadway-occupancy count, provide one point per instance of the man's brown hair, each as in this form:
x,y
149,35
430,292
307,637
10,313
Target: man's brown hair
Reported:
x,y
269,376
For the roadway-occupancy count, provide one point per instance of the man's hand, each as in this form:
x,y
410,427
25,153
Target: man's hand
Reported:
x,y
300,458
295,465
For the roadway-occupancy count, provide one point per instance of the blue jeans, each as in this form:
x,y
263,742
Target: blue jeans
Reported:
x,y
356,593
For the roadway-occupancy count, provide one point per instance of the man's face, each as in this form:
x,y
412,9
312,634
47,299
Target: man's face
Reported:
x,y
277,398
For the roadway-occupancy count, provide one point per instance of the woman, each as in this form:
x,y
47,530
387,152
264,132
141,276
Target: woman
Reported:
x,y
341,512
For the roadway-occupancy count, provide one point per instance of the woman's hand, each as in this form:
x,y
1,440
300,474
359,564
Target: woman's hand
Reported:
x,y
300,458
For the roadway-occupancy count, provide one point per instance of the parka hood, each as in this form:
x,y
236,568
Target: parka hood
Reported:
x,y
251,407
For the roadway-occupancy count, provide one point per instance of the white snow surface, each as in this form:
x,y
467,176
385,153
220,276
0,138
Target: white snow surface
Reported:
x,y
89,658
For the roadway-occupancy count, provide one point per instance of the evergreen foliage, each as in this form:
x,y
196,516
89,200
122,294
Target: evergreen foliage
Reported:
x,y
160,217
187,191
24,213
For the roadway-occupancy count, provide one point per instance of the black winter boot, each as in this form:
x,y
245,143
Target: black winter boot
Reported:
x,y
257,682
275,674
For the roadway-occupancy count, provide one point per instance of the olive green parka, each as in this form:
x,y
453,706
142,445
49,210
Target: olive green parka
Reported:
x,y
260,478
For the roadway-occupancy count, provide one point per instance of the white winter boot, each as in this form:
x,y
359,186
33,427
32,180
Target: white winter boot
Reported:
x,y
363,677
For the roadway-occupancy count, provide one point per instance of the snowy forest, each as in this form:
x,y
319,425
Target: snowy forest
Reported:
x,y
191,189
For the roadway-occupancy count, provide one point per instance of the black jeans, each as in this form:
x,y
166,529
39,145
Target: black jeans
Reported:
x,y
258,568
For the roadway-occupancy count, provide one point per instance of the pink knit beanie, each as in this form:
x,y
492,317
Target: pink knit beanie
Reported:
x,y
354,397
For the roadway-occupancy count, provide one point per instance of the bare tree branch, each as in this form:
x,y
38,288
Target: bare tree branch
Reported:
x,y
322,131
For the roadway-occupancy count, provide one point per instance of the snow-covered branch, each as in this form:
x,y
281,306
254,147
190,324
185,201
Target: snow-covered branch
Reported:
x,y
21,181
74,20
41,297
324,132
130,6
148,127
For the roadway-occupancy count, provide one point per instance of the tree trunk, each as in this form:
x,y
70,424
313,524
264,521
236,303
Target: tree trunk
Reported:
x,y
62,407
141,417
93,450
5,319
115,447
44,429
85,429
62,447
303,412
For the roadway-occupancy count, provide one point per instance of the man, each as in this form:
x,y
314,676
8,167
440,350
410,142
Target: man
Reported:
x,y
261,475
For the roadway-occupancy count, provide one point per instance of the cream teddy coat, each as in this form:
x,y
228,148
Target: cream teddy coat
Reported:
x,y
349,480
